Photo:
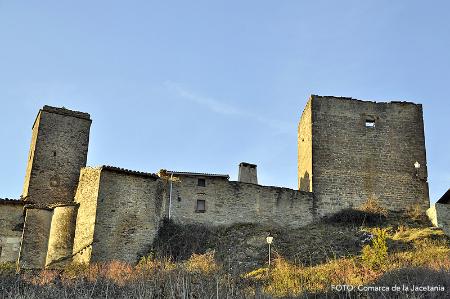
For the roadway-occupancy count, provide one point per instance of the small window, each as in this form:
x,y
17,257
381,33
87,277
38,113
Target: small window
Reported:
x,y
201,206
54,153
201,182
370,123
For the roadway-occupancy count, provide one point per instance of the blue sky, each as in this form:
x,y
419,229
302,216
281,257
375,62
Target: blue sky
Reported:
x,y
204,85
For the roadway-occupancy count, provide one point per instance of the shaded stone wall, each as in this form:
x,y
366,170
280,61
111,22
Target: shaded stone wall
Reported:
x,y
304,138
353,162
58,151
443,217
232,202
11,225
33,250
61,238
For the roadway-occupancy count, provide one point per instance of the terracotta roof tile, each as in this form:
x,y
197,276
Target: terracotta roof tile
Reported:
x,y
128,171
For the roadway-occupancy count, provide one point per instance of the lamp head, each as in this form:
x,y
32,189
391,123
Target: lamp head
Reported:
x,y
417,165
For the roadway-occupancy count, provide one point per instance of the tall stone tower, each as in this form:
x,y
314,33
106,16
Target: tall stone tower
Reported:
x,y
58,151
350,151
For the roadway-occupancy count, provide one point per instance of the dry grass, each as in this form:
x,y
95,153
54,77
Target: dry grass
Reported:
x,y
406,253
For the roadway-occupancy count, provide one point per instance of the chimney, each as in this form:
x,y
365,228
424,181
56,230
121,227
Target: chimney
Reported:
x,y
247,173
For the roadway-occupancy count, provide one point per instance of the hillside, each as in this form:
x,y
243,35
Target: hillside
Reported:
x,y
356,248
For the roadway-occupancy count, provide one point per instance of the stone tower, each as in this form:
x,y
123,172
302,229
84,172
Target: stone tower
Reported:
x,y
247,173
58,151
350,151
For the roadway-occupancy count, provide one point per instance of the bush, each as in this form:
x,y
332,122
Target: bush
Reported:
x,y
7,269
202,263
356,217
179,242
374,255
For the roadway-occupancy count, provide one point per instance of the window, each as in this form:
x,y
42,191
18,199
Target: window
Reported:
x,y
201,182
201,206
370,123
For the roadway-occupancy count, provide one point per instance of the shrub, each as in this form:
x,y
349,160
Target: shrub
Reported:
x,y
202,263
372,205
179,242
7,269
374,255
355,217
285,279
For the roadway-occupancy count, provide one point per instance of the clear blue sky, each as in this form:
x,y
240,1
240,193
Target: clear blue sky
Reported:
x,y
204,85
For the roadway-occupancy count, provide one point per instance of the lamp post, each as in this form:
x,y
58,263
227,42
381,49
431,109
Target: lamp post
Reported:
x,y
269,240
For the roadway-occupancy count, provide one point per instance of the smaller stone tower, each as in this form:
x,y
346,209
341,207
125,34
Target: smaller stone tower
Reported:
x,y
58,151
247,173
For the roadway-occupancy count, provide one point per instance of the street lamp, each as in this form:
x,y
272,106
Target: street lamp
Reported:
x,y
269,240
417,166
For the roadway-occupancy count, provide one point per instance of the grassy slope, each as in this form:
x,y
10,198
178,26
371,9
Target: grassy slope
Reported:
x,y
306,261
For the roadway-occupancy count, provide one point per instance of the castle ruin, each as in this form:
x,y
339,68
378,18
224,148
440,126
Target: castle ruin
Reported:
x,y
349,151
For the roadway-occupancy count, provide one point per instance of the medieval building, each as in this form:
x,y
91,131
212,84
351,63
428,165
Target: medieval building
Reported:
x,y
349,151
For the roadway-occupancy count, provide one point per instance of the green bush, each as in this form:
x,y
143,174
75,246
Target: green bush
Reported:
x,y
374,255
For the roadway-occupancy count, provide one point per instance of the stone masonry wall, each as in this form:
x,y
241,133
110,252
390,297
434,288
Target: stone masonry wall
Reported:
x,y
58,151
232,202
11,225
33,250
304,138
86,196
129,208
352,162
443,217
61,238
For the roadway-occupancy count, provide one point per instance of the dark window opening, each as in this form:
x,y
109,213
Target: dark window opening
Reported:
x,y
370,123
201,182
54,153
201,206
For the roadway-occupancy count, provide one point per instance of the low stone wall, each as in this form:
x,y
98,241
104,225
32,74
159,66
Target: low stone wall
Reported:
x,y
11,225
228,203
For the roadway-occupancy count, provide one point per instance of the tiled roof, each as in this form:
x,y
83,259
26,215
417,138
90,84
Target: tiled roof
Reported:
x,y
128,171
12,201
197,174
445,198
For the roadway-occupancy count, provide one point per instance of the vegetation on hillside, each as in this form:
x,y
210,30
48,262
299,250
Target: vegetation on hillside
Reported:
x,y
365,249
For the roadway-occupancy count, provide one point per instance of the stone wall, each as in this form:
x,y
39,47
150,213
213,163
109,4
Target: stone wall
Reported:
x,y
11,225
119,214
443,217
304,138
61,238
228,202
86,196
33,250
353,162
58,151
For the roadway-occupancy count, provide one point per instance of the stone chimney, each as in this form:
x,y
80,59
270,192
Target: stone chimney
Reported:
x,y
247,173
